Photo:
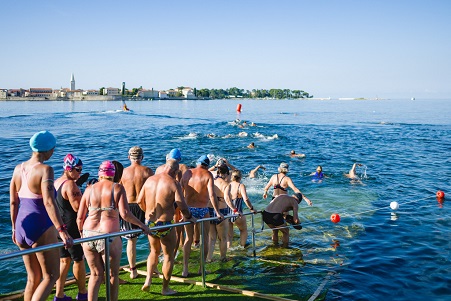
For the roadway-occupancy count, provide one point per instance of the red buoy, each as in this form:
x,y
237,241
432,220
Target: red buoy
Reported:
x,y
335,218
440,194
238,108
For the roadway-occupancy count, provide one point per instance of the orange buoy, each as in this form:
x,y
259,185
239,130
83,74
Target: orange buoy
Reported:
x,y
440,194
335,218
238,108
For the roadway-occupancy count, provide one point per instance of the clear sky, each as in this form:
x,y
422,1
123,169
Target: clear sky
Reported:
x,y
361,48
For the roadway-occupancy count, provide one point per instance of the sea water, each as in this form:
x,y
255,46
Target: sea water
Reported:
x,y
374,253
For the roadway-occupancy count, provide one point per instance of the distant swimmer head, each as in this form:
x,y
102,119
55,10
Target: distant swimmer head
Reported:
x,y
107,169
136,153
203,160
293,152
70,162
174,154
319,168
283,168
42,141
299,197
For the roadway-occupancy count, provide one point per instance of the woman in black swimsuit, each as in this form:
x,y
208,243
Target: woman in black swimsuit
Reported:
x,y
280,182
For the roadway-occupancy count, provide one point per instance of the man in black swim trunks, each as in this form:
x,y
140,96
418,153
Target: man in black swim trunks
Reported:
x,y
273,215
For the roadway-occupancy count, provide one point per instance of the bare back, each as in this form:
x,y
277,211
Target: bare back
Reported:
x,y
283,203
103,211
198,187
219,187
159,194
133,179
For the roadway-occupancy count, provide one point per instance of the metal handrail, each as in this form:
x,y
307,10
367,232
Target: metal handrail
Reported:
x,y
136,231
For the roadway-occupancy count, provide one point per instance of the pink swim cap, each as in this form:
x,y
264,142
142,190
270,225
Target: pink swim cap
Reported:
x,y
107,169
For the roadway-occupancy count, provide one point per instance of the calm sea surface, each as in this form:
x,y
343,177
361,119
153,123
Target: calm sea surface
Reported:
x,y
374,253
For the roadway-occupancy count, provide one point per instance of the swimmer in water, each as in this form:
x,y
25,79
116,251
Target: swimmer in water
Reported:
x,y
352,174
293,155
253,172
251,145
318,175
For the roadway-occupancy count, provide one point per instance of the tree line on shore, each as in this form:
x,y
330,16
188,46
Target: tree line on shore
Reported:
x,y
232,93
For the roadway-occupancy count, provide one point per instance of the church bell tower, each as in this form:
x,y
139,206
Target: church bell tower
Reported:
x,y
72,82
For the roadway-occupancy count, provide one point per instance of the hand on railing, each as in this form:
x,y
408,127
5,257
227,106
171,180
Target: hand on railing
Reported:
x,y
190,218
66,238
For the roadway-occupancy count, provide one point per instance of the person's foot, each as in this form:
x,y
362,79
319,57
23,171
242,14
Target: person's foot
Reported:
x,y
168,292
82,297
185,274
145,288
64,298
133,273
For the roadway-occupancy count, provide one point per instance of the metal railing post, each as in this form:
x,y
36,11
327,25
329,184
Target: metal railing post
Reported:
x,y
107,269
202,255
253,235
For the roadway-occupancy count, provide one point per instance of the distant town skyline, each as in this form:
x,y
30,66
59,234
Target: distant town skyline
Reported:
x,y
386,49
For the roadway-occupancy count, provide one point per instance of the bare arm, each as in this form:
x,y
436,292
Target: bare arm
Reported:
x,y
73,194
124,209
246,198
83,208
14,201
212,196
141,199
291,185
48,196
180,201
228,200
265,194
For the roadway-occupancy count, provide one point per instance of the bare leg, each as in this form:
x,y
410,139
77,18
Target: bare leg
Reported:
x,y
34,275
242,226
285,236
223,230
205,239
95,264
275,236
48,264
79,271
64,269
168,244
187,248
131,255
115,258
213,234
230,234
152,261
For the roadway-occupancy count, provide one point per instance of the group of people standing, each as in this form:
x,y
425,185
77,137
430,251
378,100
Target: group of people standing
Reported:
x,y
45,210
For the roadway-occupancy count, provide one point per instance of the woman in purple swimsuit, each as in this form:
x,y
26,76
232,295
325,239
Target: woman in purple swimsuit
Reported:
x,y
34,221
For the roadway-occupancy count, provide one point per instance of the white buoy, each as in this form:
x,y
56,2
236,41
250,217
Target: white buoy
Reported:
x,y
394,205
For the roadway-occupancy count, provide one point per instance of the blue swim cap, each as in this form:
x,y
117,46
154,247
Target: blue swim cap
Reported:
x,y
203,160
175,154
42,141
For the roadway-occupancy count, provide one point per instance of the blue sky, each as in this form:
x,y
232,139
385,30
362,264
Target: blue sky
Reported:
x,y
389,49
